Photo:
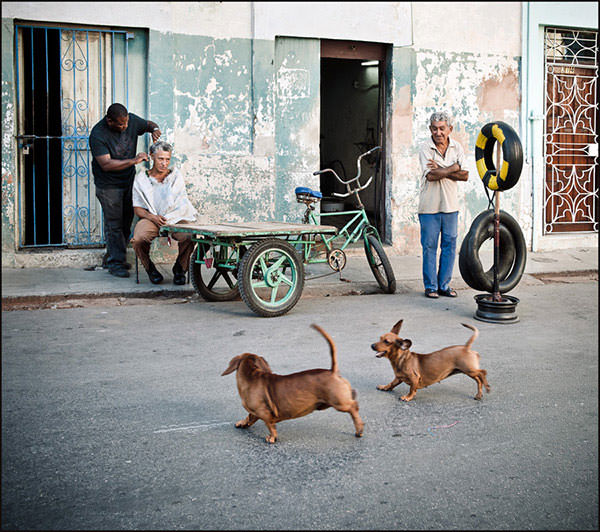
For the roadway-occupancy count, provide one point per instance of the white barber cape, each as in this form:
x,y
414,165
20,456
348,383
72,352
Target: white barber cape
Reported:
x,y
168,199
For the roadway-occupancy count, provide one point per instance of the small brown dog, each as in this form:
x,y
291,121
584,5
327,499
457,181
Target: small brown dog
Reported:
x,y
419,371
273,398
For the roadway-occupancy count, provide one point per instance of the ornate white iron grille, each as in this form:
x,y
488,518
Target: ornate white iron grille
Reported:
x,y
570,147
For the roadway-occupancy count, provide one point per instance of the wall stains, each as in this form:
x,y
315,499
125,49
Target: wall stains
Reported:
x,y
497,94
470,87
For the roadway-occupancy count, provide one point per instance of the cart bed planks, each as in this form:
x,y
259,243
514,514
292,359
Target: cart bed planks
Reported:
x,y
248,229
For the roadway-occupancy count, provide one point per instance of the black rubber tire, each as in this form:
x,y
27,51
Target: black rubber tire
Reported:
x,y
506,254
512,154
252,277
380,264
481,230
207,291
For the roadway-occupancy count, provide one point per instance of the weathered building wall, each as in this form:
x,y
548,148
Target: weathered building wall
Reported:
x,y
466,60
235,86
8,161
240,104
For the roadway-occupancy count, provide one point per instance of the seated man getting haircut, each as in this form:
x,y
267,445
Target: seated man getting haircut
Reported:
x,y
159,198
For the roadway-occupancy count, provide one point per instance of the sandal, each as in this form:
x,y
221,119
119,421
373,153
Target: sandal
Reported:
x,y
448,293
430,293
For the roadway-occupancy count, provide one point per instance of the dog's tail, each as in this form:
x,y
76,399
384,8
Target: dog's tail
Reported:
x,y
334,364
474,337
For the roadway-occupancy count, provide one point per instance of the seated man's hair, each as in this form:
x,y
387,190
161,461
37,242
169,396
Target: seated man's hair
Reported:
x,y
116,110
441,116
160,145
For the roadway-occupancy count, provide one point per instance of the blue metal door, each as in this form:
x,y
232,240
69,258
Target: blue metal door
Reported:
x,y
66,78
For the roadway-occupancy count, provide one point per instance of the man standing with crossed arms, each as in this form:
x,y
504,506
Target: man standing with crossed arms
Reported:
x,y
442,161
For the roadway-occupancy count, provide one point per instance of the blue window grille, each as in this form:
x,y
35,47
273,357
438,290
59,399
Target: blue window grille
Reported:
x,y
65,79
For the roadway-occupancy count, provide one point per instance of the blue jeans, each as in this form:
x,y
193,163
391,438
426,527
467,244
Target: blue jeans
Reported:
x,y
432,225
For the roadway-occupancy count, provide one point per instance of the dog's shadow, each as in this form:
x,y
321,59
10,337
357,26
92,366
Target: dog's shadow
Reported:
x,y
439,393
312,432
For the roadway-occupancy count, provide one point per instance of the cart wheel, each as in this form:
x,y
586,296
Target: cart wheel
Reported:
x,y
380,264
271,277
215,283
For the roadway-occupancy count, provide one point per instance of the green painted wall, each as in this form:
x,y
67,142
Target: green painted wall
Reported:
x,y
8,141
297,120
243,116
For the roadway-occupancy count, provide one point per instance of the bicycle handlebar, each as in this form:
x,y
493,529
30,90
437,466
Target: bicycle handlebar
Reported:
x,y
354,178
356,190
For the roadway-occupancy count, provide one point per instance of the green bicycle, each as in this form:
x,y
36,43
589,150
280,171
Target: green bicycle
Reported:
x,y
330,248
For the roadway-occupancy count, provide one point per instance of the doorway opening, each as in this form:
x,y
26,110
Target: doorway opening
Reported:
x,y
352,122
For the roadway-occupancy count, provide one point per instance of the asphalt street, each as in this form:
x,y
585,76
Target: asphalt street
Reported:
x,y
117,417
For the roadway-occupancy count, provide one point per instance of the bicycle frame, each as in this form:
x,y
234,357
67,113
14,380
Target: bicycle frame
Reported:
x,y
349,233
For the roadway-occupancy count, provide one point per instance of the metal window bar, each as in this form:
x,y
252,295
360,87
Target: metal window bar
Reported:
x,y
565,50
74,165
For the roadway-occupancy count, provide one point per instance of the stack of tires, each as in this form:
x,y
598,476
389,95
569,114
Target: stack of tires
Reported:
x,y
512,248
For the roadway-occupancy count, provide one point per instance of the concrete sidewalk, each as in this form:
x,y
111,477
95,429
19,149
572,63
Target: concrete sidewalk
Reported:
x,y
56,284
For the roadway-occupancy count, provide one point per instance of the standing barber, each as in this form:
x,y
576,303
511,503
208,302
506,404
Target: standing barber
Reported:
x,y
442,162
113,142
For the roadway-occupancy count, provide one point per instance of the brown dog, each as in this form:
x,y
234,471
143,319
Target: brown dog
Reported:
x,y
419,371
273,398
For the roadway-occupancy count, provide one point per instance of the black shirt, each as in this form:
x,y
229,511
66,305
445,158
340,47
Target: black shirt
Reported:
x,y
119,145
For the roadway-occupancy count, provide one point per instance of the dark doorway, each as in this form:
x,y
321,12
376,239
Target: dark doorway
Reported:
x,y
352,85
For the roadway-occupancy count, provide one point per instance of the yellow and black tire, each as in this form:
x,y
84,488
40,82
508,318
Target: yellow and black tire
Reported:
x,y
512,155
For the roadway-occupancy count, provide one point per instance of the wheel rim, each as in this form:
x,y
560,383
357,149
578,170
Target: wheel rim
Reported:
x,y
274,277
217,282
380,264
218,275
376,262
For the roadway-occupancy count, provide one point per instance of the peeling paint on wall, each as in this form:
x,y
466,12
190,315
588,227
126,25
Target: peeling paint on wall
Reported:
x,y
497,94
474,89
297,121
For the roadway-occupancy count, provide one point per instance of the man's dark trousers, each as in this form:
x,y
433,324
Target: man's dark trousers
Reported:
x,y
118,215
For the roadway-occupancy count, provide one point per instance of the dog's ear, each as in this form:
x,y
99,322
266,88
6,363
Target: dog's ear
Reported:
x,y
233,365
403,344
262,364
396,328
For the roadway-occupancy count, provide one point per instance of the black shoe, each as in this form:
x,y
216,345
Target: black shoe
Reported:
x,y
154,275
125,265
119,272
178,274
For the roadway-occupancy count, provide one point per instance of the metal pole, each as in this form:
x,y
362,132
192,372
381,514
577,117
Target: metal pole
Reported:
x,y
496,294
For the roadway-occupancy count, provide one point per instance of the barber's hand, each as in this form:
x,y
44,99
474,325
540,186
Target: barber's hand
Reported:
x,y
156,135
432,165
140,157
159,220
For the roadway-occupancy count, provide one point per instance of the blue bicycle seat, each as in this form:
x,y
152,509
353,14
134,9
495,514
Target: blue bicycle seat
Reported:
x,y
307,191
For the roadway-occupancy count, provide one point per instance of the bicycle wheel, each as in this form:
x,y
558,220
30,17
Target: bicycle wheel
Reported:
x,y
215,283
271,277
380,264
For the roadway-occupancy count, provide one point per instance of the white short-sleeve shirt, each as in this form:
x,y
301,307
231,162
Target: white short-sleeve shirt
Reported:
x,y
441,195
